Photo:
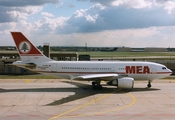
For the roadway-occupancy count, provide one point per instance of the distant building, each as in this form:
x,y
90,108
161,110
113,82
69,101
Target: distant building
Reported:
x,y
124,49
84,58
155,49
138,49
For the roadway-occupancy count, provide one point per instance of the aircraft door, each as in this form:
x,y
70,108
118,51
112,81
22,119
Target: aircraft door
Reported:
x,y
112,69
54,67
153,69
152,72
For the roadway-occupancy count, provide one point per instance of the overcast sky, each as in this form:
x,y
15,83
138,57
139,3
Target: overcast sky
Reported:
x,y
103,23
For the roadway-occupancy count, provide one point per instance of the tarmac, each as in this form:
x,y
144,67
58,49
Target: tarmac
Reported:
x,y
53,99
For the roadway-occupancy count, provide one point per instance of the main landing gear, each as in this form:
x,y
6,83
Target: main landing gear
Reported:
x,y
149,84
96,85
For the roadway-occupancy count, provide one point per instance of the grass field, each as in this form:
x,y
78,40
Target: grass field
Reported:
x,y
131,55
99,54
127,54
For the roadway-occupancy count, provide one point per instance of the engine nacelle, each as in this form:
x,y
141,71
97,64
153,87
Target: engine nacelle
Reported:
x,y
124,82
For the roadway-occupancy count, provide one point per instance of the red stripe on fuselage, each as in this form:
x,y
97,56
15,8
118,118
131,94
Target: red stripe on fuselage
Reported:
x,y
99,72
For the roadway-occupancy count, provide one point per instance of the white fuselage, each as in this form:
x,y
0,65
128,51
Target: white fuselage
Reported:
x,y
136,70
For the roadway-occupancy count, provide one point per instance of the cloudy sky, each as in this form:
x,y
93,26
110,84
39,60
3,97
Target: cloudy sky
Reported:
x,y
104,23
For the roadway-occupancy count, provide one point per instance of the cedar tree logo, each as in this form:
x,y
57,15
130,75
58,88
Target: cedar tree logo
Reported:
x,y
24,47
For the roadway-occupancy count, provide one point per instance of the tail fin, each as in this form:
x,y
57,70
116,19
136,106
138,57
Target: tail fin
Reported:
x,y
27,51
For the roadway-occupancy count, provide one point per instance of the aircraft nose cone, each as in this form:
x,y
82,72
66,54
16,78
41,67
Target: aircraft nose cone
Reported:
x,y
170,71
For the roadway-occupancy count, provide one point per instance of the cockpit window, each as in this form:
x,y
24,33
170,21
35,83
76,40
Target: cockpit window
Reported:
x,y
163,68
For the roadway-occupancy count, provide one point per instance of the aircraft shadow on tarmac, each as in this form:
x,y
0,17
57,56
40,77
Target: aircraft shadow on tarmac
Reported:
x,y
81,91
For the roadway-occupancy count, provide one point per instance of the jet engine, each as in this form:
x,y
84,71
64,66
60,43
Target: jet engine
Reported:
x,y
124,82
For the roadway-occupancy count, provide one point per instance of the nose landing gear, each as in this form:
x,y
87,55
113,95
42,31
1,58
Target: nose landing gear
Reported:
x,y
149,84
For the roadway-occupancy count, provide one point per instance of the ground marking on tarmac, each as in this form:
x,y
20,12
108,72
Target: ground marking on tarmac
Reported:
x,y
27,81
172,81
125,106
79,107
106,111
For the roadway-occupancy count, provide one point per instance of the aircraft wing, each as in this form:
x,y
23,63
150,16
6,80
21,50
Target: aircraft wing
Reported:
x,y
96,76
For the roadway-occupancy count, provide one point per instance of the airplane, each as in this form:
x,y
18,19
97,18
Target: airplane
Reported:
x,y
118,73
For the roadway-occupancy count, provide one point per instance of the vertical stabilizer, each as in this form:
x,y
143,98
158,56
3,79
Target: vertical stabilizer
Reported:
x,y
27,51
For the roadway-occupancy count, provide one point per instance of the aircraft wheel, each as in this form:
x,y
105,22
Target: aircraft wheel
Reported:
x,y
96,86
149,85
100,87
94,83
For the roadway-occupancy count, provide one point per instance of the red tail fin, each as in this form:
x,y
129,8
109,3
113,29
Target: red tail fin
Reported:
x,y
23,45
27,51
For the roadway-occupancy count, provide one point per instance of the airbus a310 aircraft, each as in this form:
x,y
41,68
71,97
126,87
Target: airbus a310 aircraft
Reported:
x,y
119,73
